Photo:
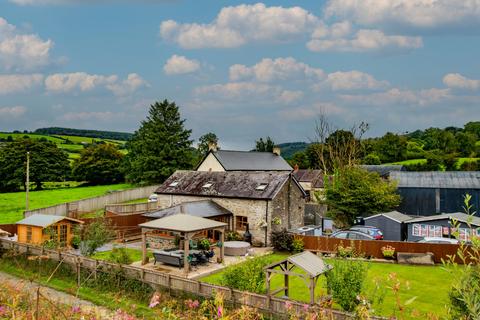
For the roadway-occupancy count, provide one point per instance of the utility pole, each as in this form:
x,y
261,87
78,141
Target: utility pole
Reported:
x,y
27,184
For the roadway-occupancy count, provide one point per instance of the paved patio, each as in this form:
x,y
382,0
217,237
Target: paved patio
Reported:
x,y
205,269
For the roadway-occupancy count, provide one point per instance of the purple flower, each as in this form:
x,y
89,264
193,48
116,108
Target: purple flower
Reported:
x,y
76,309
305,307
3,310
288,305
155,300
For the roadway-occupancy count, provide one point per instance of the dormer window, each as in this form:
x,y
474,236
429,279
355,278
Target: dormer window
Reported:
x,y
173,184
261,186
207,185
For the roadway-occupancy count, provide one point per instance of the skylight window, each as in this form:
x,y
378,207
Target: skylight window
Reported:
x,y
261,186
207,185
173,184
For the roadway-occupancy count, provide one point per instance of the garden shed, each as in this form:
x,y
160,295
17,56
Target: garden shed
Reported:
x,y
305,265
392,224
38,228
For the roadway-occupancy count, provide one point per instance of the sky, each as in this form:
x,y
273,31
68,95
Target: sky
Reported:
x,y
240,69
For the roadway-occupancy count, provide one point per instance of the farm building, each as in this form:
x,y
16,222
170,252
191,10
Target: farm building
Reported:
x,y
428,193
227,160
264,200
392,224
442,226
39,228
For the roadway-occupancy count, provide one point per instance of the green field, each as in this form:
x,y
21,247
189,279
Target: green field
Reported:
x,y
134,254
429,284
12,204
409,162
5,135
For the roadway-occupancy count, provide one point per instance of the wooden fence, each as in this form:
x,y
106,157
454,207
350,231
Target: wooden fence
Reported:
x,y
373,248
74,208
130,208
125,226
262,302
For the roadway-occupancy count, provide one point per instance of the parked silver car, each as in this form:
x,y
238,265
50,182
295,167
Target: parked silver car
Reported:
x,y
438,240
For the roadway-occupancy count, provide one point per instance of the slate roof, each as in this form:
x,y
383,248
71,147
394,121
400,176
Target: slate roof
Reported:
x,y
459,216
226,184
393,215
203,208
251,161
182,223
44,220
437,179
382,170
315,177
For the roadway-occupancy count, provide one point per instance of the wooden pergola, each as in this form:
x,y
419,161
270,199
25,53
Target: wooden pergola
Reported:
x,y
310,263
187,226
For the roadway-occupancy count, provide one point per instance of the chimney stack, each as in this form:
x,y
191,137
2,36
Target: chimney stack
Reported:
x,y
212,146
276,150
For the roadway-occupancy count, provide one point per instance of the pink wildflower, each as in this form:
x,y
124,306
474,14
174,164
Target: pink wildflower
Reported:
x,y
76,309
288,305
219,311
3,311
155,300
305,307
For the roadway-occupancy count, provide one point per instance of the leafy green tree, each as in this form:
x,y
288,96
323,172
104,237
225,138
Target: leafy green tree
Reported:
x,y
300,158
159,147
391,148
204,142
99,164
95,235
466,143
266,145
473,127
355,192
47,163
372,158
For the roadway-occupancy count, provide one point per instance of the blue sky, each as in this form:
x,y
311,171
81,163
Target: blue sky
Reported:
x,y
240,69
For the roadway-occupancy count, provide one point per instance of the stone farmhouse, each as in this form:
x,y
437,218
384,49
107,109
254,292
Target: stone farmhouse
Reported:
x,y
265,201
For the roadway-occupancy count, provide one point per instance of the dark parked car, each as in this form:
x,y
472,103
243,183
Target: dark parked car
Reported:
x,y
352,234
376,233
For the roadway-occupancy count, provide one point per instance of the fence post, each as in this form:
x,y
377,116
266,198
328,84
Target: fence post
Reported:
x,y
78,272
169,284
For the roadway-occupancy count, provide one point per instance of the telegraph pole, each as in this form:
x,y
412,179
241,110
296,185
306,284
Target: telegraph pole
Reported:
x,y
27,185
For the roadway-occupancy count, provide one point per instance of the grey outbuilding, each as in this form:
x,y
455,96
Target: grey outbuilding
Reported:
x,y
392,224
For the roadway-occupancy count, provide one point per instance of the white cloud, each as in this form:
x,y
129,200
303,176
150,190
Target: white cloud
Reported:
x,y
83,82
407,13
20,51
236,26
458,81
180,65
311,112
248,91
353,80
11,83
363,40
12,112
268,70
82,116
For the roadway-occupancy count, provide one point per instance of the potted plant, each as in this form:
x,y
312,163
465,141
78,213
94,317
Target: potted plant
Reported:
x,y
204,244
388,252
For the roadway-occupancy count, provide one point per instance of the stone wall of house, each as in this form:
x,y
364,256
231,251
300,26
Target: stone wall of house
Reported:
x,y
254,210
288,208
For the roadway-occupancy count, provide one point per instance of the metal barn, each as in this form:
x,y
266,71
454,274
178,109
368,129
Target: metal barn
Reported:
x,y
430,193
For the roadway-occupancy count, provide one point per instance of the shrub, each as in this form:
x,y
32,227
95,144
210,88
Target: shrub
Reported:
x,y
345,282
120,255
233,236
95,235
282,240
465,295
345,252
247,276
204,244
297,245
388,251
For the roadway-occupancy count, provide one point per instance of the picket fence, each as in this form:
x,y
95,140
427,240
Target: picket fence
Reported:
x,y
264,303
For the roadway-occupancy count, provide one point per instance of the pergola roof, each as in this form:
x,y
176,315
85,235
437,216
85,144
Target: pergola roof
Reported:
x,y
183,223
312,264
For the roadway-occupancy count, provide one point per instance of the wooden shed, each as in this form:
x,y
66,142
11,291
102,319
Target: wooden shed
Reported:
x,y
39,228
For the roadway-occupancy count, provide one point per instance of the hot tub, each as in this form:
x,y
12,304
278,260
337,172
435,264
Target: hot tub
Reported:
x,y
236,248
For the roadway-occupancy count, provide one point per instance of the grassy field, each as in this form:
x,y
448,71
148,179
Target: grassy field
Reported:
x,y
410,161
429,284
5,135
12,204
134,254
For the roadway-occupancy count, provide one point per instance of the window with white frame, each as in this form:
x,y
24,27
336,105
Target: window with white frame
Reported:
x,y
426,230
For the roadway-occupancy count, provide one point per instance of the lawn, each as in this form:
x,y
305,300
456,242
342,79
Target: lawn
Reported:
x,y
142,200
12,204
429,284
134,254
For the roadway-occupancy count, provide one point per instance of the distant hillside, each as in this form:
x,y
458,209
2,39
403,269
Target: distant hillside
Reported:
x,y
289,148
111,135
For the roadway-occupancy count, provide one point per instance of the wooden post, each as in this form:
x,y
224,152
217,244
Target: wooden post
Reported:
x,y
95,270
312,290
144,248
78,273
222,240
186,252
285,279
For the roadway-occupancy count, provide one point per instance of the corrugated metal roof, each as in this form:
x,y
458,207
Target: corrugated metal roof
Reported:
x,y
459,216
230,184
44,220
251,161
394,215
315,177
310,263
182,223
382,170
204,209
437,179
